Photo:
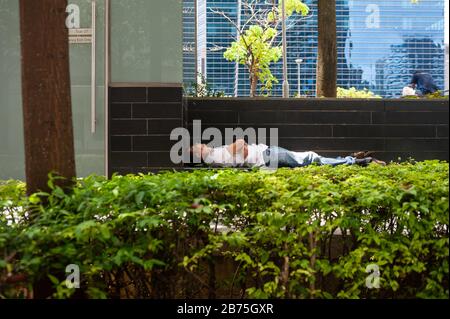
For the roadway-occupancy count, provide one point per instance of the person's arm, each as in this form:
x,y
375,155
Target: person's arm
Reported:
x,y
238,147
414,81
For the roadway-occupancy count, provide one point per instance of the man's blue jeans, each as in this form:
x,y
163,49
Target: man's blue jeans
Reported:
x,y
276,156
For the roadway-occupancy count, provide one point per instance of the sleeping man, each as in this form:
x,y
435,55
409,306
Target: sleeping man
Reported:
x,y
241,154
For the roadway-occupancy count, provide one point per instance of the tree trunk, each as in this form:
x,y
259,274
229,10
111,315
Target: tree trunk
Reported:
x,y
253,84
47,111
327,50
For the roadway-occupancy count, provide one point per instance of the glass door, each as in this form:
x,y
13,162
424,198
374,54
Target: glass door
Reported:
x,y
86,23
87,67
12,158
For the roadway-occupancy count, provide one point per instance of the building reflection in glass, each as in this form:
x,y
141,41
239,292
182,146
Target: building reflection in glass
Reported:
x,y
380,44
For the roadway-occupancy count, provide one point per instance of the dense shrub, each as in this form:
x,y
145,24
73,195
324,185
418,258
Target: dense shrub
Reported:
x,y
353,93
435,95
230,233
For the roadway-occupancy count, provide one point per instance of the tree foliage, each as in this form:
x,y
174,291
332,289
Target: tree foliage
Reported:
x,y
254,50
353,93
255,46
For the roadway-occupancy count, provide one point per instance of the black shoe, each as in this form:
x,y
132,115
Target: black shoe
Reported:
x,y
366,161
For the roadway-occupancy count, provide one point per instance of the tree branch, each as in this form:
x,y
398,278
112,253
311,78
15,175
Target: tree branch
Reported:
x,y
238,29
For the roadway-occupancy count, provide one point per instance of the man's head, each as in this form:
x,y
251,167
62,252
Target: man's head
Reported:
x,y
200,151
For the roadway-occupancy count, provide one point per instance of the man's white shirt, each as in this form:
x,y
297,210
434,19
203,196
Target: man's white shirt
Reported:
x,y
221,156
255,156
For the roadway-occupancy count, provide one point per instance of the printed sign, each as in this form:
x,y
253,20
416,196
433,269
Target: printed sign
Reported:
x,y
77,35
80,32
80,36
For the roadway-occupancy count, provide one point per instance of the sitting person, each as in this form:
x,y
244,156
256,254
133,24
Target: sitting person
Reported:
x,y
423,83
241,154
409,91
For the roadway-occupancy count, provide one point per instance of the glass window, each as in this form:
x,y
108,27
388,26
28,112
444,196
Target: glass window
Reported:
x,y
146,44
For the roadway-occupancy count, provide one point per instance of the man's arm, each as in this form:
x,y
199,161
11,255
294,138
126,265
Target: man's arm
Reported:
x,y
414,80
239,147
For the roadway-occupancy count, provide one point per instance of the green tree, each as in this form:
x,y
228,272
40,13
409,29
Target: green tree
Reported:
x,y
254,50
254,46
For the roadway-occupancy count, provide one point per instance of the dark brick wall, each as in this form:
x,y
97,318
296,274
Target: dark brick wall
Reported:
x,y
392,128
141,120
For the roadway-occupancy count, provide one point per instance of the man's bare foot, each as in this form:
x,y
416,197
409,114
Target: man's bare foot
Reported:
x,y
376,161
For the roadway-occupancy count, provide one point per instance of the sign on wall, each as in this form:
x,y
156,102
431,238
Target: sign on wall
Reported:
x,y
77,35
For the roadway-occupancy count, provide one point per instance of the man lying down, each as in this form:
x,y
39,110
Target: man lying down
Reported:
x,y
241,154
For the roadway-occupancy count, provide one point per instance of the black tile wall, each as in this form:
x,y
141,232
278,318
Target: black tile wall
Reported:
x,y
141,120
164,94
157,110
120,143
152,143
285,130
159,159
410,118
418,145
368,131
163,126
127,95
344,145
407,105
419,131
304,117
214,116
127,159
121,111
128,127
392,128
442,131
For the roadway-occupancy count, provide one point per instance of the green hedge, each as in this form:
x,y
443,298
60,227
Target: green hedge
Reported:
x,y
229,233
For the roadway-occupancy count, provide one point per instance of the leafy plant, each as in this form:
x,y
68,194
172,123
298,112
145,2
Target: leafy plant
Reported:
x,y
303,233
435,95
254,50
254,46
353,93
202,88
